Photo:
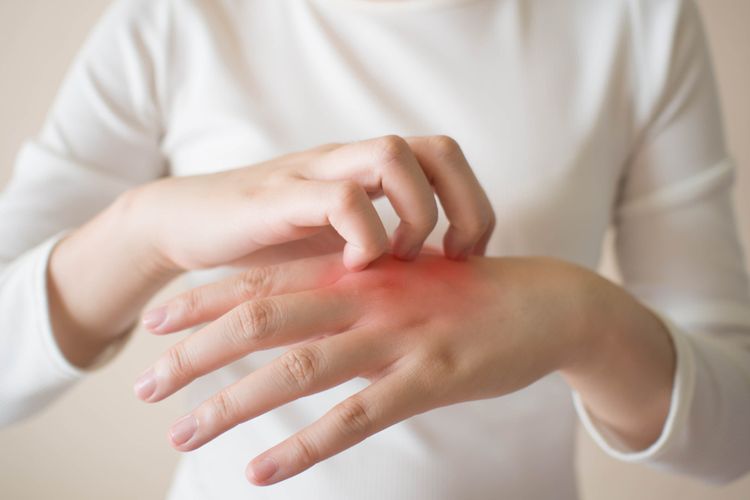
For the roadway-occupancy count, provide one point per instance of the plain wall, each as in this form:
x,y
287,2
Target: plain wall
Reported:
x,y
97,441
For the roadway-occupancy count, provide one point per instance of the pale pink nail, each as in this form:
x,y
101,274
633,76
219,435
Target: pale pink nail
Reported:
x,y
155,318
183,430
264,469
145,386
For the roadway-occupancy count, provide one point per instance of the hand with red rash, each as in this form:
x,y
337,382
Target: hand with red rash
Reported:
x,y
426,334
312,202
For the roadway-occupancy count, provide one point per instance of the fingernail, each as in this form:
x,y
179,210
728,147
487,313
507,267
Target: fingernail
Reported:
x,y
155,318
264,469
145,386
183,430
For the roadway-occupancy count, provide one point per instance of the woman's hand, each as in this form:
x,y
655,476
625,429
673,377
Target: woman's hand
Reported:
x,y
302,204
318,200
426,334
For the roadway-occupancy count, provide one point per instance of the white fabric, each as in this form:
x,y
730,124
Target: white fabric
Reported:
x,y
575,114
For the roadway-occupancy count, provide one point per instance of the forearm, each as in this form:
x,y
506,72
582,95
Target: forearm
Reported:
x,y
99,278
624,364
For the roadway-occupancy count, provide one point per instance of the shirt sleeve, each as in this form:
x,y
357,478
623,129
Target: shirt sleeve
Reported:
x,y
679,252
101,137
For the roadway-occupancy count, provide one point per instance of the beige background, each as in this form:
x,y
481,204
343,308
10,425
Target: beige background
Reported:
x,y
97,441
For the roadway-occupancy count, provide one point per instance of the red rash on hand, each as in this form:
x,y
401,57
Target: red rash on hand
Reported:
x,y
417,291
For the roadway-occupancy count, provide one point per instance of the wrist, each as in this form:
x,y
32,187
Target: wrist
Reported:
x,y
623,363
573,301
590,331
563,301
99,277
133,213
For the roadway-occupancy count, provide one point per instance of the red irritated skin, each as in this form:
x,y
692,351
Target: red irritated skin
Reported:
x,y
426,334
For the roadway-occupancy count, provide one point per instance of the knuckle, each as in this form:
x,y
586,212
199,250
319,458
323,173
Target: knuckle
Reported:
x,y
429,218
477,225
179,363
443,360
445,146
353,416
439,368
300,366
254,322
224,406
390,148
349,196
303,451
191,303
254,283
424,219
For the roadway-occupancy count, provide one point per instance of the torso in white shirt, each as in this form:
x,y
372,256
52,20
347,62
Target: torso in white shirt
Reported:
x,y
534,93
574,114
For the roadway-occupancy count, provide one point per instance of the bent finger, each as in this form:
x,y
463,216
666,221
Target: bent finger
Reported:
x,y
345,206
464,201
386,164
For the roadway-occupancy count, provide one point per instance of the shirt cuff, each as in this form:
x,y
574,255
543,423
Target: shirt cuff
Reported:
x,y
34,369
676,422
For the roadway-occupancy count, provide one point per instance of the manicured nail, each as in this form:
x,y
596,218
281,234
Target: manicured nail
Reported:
x,y
183,430
145,386
155,318
264,469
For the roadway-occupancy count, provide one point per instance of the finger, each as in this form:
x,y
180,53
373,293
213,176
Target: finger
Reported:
x,y
480,248
387,164
251,326
465,203
325,241
387,401
345,206
206,303
296,373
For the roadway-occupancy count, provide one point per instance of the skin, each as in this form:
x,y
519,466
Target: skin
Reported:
x,y
426,334
529,317
307,203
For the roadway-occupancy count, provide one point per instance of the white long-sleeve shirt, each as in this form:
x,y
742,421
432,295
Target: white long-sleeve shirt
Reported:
x,y
575,115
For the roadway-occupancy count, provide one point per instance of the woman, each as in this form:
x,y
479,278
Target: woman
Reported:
x,y
193,135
